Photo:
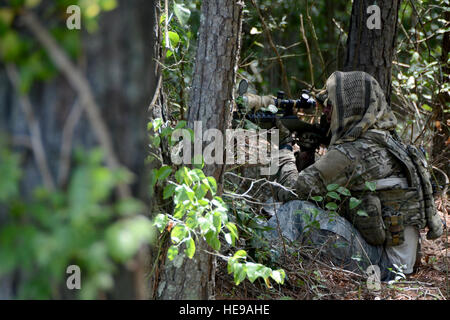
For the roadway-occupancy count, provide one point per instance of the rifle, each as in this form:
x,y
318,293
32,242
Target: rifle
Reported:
x,y
264,110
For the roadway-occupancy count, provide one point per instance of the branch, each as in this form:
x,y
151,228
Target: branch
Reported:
x,y
81,86
316,41
66,145
273,183
311,69
274,48
35,131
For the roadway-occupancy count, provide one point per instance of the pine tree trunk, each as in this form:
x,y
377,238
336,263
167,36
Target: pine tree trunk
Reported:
x,y
211,98
441,151
372,50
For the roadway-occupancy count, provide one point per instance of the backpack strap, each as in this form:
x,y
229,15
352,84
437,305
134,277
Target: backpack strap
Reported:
x,y
417,173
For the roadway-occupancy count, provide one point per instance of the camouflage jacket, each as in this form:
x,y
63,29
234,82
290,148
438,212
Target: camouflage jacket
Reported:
x,y
351,164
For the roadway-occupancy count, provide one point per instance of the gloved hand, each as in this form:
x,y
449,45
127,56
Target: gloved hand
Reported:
x,y
256,102
284,134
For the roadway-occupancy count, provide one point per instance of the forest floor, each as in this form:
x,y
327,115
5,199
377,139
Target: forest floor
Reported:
x,y
312,279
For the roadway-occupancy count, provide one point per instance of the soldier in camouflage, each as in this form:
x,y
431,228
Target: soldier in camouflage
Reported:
x,y
364,147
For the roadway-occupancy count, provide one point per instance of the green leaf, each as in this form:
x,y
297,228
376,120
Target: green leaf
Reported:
x,y
200,191
10,46
331,206
241,254
183,193
163,173
332,187
233,229
265,272
198,161
181,124
317,198
178,233
278,276
160,221
212,185
7,15
190,248
427,107
130,206
333,195
179,175
157,123
212,240
240,273
186,176
166,131
252,271
172,252
192,222
156,141
354,202
344,191
371,185
220,204
182,13
124,237
168,191
205,224
217,221
108,5
174,39
198,175
362,213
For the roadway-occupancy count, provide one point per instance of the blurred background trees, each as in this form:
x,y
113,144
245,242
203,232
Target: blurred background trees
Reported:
x,y
68,147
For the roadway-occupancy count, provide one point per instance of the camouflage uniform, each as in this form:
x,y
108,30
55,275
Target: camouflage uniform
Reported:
x,y
338,241
362,148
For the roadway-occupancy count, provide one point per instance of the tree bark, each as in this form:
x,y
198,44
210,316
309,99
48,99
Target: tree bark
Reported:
x,y
215,70
211,99
372,50
441,151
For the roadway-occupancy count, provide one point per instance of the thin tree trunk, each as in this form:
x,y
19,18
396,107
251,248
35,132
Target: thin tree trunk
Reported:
x,y
372,50
210,103
441,150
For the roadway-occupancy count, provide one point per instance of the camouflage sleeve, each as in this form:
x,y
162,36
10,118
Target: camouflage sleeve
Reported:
x,y
333,167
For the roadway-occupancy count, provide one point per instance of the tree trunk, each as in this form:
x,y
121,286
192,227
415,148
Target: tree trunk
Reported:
x,y
215,70
441,152
117,61
372,50
211,98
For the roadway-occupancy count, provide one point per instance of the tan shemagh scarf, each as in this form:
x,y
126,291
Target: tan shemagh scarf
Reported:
x,y
359,104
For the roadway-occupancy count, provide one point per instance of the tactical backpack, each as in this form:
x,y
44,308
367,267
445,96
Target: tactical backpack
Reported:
x,y
410,204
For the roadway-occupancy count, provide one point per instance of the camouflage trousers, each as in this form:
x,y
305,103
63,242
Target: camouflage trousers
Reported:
x,y
301,223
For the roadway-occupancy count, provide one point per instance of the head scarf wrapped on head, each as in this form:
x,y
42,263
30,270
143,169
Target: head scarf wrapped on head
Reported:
x,y
359,104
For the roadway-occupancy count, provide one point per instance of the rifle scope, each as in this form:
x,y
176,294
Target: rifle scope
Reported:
x,y
305,102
